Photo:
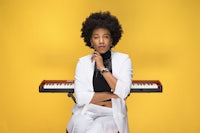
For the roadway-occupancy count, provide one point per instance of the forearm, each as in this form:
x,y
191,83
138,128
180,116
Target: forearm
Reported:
x,y
110,79
102,96
105,104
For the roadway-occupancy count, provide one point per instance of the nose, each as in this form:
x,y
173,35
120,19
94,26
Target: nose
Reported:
x,y
101,40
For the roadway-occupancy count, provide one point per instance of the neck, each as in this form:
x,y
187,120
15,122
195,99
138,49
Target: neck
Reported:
x,y
106,55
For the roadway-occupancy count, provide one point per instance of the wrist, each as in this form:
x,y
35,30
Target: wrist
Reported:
x,y
103,70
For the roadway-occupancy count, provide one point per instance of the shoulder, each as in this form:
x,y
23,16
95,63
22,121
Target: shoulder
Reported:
x,y
85,58
84,61
119,55
120,58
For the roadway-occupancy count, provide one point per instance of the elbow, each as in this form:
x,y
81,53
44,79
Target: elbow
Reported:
x,y
122,90
83,98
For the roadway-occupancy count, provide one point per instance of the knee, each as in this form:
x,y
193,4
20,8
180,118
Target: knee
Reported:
x,y
78,124
95,128
76,128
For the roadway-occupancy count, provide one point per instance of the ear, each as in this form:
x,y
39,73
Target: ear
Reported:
x,y
91,45
111,45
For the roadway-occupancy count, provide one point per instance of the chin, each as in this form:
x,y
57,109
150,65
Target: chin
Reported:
x,y
102,51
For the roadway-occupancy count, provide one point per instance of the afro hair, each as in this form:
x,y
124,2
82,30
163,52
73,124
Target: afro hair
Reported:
x,y
101,20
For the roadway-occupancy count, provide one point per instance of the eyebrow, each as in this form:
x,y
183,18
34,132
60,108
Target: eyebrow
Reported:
x,y
103,34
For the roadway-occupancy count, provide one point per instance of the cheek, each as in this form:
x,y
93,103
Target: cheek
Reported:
x,y
94,44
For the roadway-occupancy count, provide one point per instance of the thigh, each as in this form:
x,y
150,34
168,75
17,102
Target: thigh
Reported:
x,y
104,124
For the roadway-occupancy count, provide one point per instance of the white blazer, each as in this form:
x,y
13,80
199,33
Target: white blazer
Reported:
x,y
121,69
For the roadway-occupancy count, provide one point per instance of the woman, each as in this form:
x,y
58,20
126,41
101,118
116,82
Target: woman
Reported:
x,y
102,79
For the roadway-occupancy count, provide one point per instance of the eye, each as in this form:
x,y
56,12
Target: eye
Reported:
x,y
107,36
95,37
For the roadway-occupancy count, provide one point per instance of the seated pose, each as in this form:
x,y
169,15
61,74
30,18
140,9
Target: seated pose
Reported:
x,y
102,79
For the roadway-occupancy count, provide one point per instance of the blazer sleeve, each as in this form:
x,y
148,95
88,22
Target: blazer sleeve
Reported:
x,y
123,73
83,86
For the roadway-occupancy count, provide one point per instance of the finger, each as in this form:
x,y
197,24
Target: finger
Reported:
x,y
97,53
92,59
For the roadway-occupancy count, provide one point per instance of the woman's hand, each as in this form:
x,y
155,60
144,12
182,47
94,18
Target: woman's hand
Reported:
x,y
98,59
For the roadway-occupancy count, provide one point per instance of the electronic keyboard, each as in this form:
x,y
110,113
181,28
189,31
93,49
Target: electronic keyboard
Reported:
x,y
68,86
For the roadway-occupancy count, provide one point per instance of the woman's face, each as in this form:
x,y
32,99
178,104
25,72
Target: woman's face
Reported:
x,y
101,40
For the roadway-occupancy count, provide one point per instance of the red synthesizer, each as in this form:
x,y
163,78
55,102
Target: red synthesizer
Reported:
x,y
68,86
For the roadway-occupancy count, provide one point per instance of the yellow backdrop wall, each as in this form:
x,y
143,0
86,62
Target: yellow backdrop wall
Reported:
x,y
40,39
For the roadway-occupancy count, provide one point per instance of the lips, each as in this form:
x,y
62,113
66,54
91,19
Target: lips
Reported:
x,y
101,47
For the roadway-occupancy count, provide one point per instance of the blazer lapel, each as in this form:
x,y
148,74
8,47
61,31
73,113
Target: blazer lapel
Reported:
x,y
90,71
114,63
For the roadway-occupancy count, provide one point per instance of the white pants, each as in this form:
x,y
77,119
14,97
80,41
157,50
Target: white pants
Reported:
x,y
93,119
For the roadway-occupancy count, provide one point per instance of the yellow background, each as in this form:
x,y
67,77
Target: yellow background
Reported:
x,y
40,39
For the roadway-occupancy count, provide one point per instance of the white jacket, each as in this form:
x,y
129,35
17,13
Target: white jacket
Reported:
x,y
121,69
